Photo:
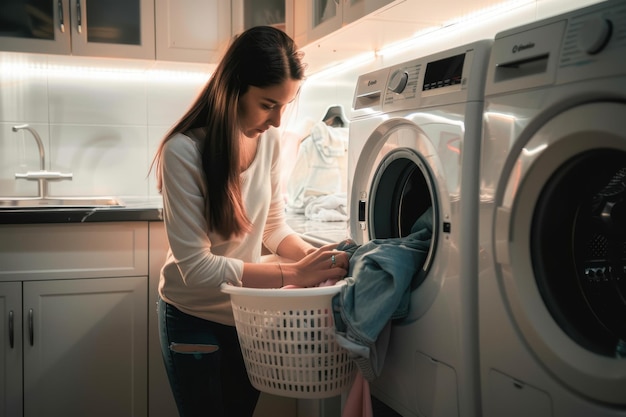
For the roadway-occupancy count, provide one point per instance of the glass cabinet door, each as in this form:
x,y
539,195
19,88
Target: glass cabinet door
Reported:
x,y
266,12
113,21
249,13
356,9
325,11
32,19
113,28
35,26
325,17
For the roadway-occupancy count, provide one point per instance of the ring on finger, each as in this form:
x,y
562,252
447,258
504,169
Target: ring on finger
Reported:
x,y
333,261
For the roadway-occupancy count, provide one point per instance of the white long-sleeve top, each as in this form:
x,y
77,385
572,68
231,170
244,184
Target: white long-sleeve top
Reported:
x,y
199,261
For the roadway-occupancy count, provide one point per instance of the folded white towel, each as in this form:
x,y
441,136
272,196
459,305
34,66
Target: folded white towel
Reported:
x,y
327,208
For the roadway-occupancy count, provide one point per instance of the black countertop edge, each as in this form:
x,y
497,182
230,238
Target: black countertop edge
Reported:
x,y
139,209
80,215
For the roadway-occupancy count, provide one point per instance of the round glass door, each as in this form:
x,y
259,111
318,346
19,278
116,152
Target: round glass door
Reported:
x,y
579,251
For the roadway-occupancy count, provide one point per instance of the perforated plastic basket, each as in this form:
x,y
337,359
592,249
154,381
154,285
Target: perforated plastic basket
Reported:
x,y
287,337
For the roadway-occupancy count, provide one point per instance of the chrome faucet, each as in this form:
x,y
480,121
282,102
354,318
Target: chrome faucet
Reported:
x,y
42,176
42,152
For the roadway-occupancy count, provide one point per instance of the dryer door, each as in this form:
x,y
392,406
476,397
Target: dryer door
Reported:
x,y
398,177
560,243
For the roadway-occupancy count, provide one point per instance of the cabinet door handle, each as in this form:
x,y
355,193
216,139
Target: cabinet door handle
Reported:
x,y
79,19
11,331
31,330
60,11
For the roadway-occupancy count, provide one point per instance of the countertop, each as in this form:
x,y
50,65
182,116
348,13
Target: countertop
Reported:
x,y
150,209
134,209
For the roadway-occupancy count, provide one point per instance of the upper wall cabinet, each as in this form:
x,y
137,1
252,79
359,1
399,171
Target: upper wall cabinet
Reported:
x,y
192,30
314,19
200,30
112,28
249,13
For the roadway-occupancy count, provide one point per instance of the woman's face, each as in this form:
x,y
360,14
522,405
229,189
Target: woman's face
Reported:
x,y
260,108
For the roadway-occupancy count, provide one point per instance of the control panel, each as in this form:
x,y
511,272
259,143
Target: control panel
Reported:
x,y
439,79
590,33
560,50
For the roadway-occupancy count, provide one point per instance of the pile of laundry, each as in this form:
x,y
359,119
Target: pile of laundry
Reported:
x,y
316,187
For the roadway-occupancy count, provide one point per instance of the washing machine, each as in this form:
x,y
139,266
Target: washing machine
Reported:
x,y
413,146
552,218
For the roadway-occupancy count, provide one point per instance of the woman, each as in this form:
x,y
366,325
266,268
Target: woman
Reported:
x,y
218,172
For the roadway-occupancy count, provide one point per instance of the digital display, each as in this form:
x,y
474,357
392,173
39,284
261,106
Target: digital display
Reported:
x,y
443,73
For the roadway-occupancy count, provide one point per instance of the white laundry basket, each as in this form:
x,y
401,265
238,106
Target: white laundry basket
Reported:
x,y
287,337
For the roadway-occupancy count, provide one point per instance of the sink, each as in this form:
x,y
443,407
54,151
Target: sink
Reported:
x,y
58,202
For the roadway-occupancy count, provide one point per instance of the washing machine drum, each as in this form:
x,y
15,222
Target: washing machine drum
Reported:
x,y
579,250
400,194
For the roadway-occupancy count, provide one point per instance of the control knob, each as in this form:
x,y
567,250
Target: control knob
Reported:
x,y
594,35
398,80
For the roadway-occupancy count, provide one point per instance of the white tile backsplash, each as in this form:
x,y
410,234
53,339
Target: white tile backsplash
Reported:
x,y
168,101
23,93
155,136
104,159
97,99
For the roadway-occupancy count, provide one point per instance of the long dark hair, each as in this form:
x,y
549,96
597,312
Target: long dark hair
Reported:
x,y
262,56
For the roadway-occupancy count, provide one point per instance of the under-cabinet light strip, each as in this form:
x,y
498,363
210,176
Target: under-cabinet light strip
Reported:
x,y
19,69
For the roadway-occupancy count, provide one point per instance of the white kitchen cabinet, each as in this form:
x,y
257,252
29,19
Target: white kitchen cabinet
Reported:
x,y
112,28
80,344
314,19
76,295
10,349
84,344
192,30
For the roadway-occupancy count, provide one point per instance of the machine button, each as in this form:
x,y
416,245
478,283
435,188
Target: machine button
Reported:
x,y
362,210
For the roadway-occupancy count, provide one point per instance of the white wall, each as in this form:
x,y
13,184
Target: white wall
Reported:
x,y
101,119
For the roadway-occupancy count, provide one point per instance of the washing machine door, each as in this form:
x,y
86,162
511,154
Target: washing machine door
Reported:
x,y
560,246
399,175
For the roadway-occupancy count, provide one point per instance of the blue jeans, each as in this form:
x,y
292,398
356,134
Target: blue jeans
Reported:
x,y
378,290
204,365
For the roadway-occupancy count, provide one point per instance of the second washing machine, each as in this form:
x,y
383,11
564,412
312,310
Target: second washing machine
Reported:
x,y
413,147
552,269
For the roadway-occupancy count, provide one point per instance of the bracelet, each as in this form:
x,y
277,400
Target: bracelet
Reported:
x,y
282,278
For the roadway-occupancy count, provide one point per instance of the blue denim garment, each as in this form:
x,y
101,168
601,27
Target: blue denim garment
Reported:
x,y
378,290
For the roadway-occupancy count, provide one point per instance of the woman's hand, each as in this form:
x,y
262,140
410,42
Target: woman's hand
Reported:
x,y
321,265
